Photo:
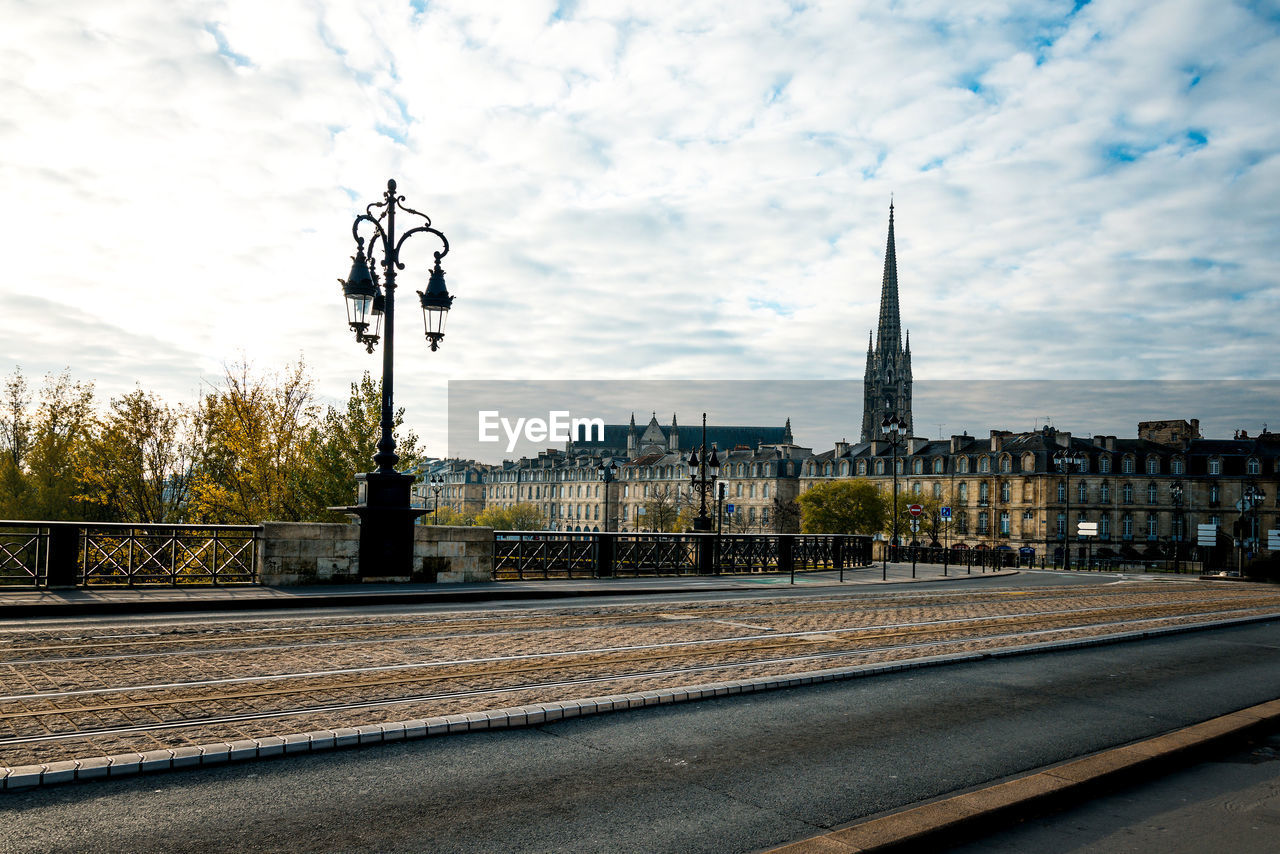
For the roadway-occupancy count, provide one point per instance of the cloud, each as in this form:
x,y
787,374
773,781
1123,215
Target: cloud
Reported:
x,y
656,190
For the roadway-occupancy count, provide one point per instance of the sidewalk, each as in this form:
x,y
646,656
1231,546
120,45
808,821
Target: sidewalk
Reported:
x,y
18,603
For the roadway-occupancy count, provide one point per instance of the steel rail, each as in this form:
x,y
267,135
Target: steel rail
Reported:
x,y
589,680
775,641
664,619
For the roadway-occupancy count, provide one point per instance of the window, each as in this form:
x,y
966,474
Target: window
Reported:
x,y
1152,526
1215,495
962,465
1004,492
1104,465
937,465
1126,526
1127,493
751,515
1153,465
962,492
1151,493
1062,525
1028,462
984,464
1253,467
1006,464
739,492
1004,523
984,492
751,491
764,491
1126,465
983,522
937,490
1178,466
879,466
898,467
915,488
1215,466
1104,493
764,515
862,467
917,466
1082,491
1062,491
962,522
1104,526
844,468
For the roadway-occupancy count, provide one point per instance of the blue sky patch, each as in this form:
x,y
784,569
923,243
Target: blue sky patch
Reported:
x,y
224,49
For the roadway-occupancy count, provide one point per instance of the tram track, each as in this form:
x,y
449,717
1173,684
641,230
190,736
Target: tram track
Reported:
x,y
600,679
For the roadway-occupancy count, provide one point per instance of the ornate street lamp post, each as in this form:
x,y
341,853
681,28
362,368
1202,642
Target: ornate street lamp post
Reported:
x,y
1250,498
383,506
1179,524
1065,461
895,428
703,471
607,474
437,484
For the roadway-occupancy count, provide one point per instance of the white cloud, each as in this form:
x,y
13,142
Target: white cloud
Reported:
x,y
687,190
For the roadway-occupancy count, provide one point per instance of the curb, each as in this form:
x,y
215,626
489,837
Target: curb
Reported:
x,y
55,773
37,610
963,817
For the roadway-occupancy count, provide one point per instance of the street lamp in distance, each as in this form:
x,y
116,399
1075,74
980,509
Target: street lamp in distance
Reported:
x,y
607,474
703,471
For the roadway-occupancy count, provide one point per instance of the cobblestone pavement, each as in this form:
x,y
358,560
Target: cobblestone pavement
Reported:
x,y
84,690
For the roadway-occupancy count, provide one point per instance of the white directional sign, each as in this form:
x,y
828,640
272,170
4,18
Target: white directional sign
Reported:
x,y
1273,540
1206,535
1087,529
915,526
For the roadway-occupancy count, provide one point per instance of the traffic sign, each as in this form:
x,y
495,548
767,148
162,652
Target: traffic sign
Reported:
x,y
728,508
915,526
945,513
915,509
1087,529
1206,535
1273,540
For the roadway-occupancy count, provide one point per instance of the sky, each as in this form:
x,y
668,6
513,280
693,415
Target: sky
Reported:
x,y
639,191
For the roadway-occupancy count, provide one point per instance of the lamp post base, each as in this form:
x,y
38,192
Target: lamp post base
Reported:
x,y
386,524
702,524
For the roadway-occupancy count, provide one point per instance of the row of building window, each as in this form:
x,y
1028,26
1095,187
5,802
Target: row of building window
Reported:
x,y
1177,466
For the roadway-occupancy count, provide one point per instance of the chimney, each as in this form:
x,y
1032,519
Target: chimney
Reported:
x,y
842,448
915,445
1063,439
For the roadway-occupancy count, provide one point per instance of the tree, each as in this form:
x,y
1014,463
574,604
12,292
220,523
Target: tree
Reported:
x,y
842,507
42,450
343,444
446,515
786,516
140,461
252,435
666,510
928,518
517,517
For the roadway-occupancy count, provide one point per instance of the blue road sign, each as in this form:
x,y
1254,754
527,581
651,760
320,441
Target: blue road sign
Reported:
x,y
728,508
945,514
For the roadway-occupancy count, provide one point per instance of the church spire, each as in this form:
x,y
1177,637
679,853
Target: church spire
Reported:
x,y
890,326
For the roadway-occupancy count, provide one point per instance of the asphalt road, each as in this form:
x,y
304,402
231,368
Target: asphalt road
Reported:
x,y
734,774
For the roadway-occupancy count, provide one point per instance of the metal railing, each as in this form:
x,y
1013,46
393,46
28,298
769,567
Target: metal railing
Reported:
x,y
528,555
65,554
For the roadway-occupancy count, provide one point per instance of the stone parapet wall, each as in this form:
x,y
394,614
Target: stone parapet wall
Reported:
x,y
293,553
450,555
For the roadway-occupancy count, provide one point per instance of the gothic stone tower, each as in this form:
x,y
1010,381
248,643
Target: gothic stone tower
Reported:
x,y
886,387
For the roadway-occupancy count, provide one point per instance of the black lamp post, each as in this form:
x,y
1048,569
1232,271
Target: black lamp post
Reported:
x,y
437,484
1065,461
607,474
1175,492
703,471
383,506
895,428
1250,498
719,512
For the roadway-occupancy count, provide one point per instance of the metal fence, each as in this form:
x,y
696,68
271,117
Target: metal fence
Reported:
x,y
64,554
525,555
